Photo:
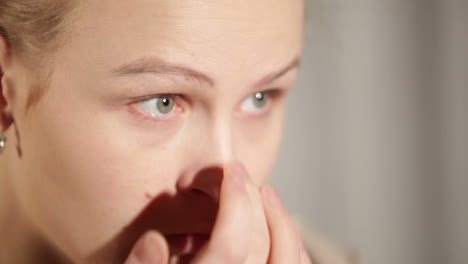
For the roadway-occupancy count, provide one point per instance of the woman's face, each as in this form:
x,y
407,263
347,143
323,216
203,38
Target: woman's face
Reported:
x,y
148,100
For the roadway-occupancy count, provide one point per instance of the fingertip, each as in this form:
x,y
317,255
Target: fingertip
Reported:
x,y
233,221
271,196
237,172
151,248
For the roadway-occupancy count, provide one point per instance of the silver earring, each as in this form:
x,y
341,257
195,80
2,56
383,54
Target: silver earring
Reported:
x,y
2,143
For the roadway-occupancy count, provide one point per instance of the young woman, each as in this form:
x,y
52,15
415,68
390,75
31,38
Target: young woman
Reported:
x,y
143,131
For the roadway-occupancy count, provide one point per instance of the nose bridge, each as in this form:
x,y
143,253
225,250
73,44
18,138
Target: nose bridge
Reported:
x,y
215,141
210,150
221,140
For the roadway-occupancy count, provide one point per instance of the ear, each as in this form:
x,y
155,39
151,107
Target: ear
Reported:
x,y
6,119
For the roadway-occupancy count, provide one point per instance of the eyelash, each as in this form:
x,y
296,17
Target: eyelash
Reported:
x,y
134,109
273,95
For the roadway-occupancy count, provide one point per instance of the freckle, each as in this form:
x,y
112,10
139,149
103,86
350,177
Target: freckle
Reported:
x,y
149,196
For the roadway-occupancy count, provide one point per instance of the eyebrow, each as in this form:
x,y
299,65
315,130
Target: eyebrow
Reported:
x,y
157,65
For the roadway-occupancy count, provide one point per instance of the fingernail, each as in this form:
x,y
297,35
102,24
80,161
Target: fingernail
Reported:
x,y
147,250
273,196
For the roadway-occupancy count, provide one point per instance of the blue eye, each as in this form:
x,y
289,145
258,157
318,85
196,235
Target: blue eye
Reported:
x,y
158,106
256,102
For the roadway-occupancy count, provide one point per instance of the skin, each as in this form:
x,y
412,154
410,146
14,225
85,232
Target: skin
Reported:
x,y
89,177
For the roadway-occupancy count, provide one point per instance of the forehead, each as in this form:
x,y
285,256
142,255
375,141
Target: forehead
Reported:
x,y
238,34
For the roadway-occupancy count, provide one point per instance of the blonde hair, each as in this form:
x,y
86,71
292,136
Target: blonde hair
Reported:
x,y
34,29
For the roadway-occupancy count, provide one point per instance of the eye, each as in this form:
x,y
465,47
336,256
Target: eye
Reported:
x,y
158,106
256,102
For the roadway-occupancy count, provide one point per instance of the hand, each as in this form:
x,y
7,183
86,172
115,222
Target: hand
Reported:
x,y
252,227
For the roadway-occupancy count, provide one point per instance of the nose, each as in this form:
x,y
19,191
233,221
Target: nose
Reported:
x,y
206,155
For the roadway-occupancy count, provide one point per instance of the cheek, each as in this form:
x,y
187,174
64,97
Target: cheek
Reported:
x,y
86,175
258,143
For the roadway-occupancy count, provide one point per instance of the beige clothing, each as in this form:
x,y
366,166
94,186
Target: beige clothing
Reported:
x,y
322,250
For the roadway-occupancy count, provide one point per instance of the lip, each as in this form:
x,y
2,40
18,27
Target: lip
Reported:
x,y
186,244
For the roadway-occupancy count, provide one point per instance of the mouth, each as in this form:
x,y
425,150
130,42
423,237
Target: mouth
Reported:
x,y
186,222
186,244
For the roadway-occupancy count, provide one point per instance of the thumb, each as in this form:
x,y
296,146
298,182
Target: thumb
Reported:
x,y
151,248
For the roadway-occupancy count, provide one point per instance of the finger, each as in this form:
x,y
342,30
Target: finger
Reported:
x,y
260,237
184,244
230,238
283,234
151,248
304,255
322,250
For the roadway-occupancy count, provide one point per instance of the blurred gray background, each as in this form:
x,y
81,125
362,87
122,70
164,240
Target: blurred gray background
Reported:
x,y
376,140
